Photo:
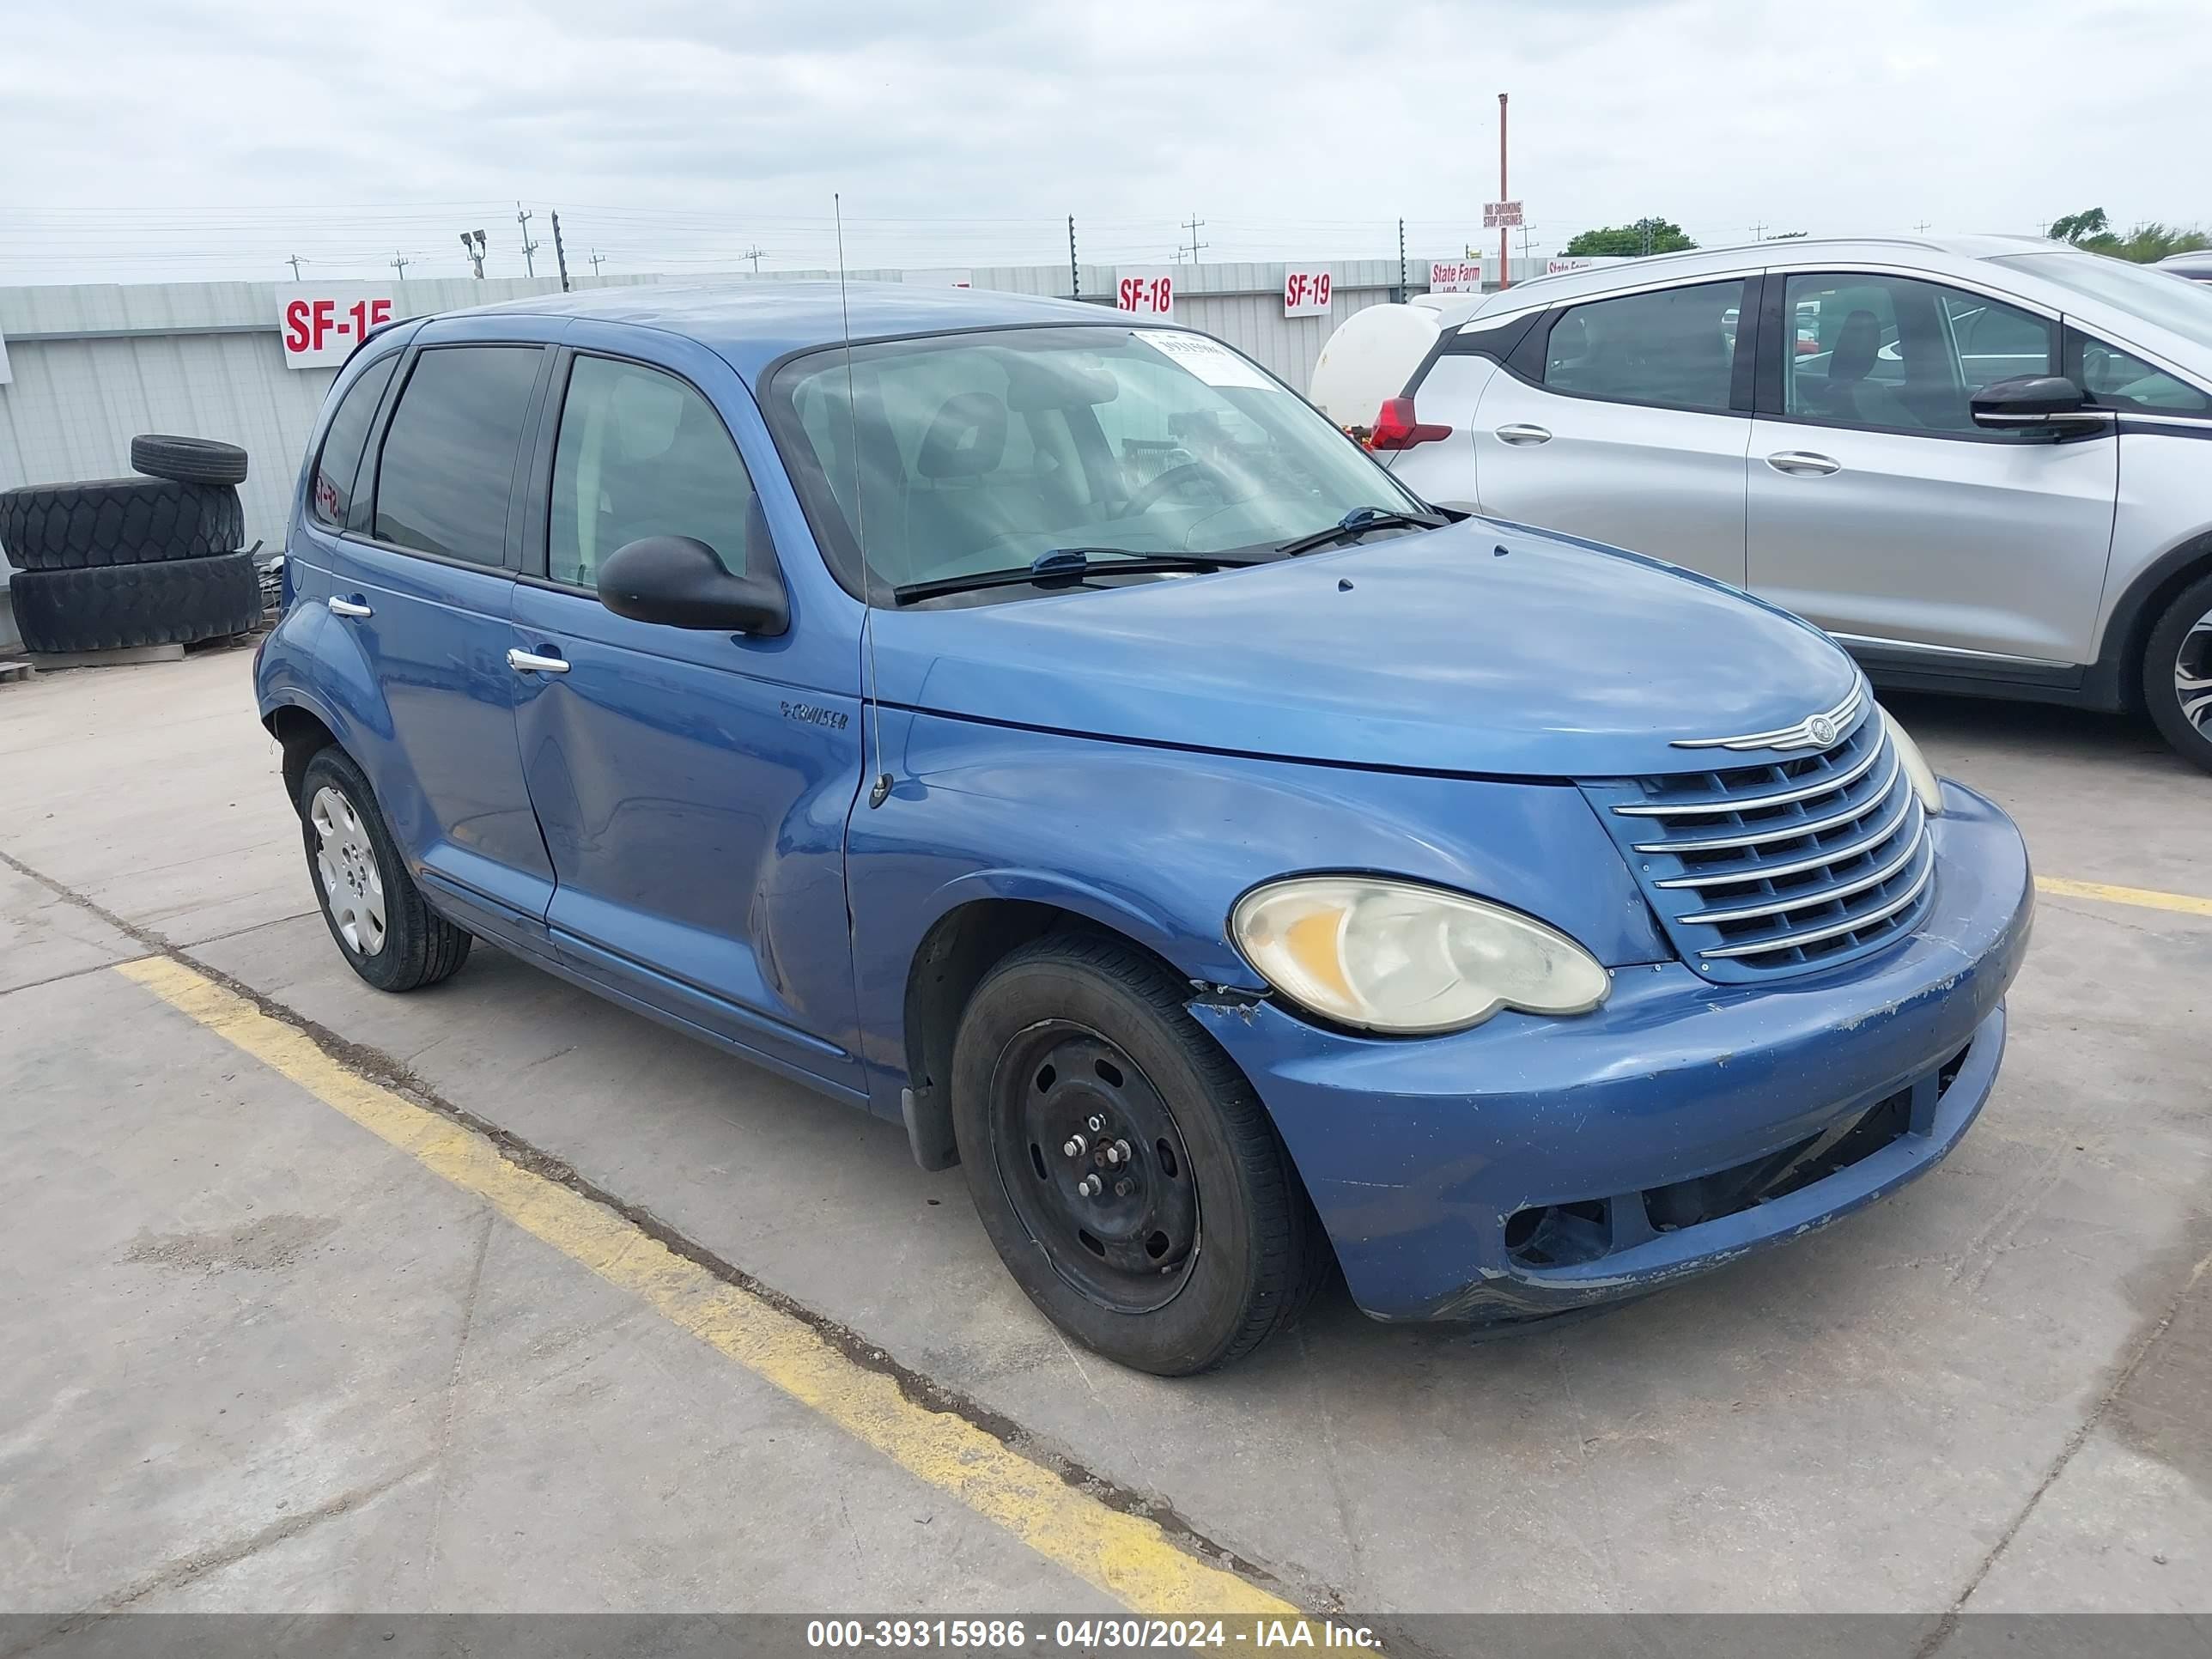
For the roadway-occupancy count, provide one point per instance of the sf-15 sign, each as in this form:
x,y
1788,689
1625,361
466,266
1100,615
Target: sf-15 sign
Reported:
x,y
321,326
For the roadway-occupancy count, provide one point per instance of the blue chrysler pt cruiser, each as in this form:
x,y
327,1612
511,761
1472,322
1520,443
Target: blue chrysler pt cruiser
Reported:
x,y
1048,731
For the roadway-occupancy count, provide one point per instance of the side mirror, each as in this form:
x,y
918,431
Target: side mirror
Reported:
x,y
2051,403
680,581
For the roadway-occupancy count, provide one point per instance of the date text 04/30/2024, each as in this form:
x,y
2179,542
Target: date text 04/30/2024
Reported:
x,y
1085,1634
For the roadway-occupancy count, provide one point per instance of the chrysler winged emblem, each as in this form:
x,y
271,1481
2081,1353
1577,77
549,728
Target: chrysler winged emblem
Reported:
x,y
1814,732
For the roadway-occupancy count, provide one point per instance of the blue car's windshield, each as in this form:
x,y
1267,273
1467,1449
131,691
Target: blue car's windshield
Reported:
x,y
974,452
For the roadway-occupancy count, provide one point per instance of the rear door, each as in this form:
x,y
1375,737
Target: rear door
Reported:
x,y
1877,507
1627,420
692,786
422,582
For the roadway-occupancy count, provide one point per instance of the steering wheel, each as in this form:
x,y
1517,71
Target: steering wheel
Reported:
x,y
1150,496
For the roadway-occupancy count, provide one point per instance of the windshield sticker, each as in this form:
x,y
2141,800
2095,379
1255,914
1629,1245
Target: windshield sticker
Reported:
x,y
1211,361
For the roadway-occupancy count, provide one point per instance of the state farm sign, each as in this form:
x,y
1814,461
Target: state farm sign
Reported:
x,y
1455,277
319,327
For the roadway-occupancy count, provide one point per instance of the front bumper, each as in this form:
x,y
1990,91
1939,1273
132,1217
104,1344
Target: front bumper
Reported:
x,y
1620,1139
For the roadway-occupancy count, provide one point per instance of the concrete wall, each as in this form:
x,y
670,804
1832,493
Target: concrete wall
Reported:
x,y
94,364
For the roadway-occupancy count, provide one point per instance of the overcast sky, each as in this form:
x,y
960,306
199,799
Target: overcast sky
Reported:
x,y
149,139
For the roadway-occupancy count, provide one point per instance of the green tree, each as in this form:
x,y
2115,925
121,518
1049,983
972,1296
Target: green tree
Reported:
x,y
2079,228
2145,245
1617,241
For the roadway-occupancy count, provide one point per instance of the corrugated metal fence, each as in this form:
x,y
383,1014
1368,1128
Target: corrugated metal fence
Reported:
x,y
93,365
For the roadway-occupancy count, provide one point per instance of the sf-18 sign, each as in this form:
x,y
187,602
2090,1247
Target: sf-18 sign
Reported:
x,y
321,326
1149,292
1455,277
1306,292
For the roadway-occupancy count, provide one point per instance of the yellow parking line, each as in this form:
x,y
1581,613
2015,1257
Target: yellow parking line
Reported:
x,y
1125,1556
2150,897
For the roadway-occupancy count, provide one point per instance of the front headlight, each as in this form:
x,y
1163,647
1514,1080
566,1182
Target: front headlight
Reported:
x,y
1916,766
1392,956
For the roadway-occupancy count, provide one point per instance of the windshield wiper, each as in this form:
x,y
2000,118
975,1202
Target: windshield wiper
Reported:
x,y
1358,522
1070,564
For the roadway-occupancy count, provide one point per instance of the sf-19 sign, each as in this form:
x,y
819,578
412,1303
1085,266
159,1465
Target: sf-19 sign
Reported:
x,y
1306,292
320,327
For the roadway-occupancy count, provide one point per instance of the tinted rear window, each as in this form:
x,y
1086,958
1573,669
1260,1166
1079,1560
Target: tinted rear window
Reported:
x,y
447,471
336,467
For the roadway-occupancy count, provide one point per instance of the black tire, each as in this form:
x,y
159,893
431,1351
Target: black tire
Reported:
x,y
1256,1251
2177,655
115,521
107,608
419,946
189,461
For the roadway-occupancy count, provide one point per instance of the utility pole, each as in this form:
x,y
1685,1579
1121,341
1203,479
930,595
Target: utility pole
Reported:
x,y
1401,260
1759,231
755,252
596,257
400,263
529,247
472,250
1191,225
560,256
1921,226
1504,270
1525,229
296,262
1074,272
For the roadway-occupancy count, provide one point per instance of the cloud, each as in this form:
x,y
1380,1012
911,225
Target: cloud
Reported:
x,y
150,139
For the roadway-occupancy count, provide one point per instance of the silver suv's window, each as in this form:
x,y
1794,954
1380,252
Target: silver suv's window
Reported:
x,y
1901,356
2180,308
1675,348
641,453
2121,379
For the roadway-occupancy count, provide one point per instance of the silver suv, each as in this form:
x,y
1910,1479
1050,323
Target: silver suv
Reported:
x,y
1985,465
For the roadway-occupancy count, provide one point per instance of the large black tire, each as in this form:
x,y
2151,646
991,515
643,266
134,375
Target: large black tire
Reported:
x,y
116,521
1256,1250
418,946
104,609
2177,672
189,461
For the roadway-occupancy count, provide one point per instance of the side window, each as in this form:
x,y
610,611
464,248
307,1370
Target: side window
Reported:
x,y
1900,355
2118,380
447,473
330,494
640,453
1675,347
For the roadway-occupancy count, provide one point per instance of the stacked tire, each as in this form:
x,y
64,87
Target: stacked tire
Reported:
x,y
151,560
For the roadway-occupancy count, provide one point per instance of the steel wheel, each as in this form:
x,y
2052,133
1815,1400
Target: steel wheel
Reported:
x,y
2192,675
1095,1166
352,881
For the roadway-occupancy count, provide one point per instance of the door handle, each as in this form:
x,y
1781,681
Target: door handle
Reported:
x,y
349,608
528,662
1803,464
1521,433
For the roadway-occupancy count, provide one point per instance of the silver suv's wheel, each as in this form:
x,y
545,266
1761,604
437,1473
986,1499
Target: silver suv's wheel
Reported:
x,y
2177,672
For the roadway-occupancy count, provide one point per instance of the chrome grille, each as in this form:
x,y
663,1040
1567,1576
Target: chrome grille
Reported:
x,y
1800,864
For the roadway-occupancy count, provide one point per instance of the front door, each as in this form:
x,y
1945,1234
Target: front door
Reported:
x,y
1879,509
1636,434
424,586
693,786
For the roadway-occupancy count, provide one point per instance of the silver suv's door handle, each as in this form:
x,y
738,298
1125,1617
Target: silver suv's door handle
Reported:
x,y
528,662
1803,464
349,608
1520,433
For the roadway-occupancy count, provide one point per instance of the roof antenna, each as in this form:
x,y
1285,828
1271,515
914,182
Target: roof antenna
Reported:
x,y
880,792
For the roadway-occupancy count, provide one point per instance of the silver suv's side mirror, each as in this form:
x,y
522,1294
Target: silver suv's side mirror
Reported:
x,y
2046,403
